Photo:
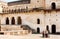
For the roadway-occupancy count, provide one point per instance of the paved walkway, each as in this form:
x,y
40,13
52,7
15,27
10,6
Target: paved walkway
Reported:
x,y
31,36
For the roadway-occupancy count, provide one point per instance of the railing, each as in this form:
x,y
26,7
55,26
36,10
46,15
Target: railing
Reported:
x,y
24,10
9,25
28,28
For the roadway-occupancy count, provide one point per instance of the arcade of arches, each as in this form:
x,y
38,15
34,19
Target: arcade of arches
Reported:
x,y
19,21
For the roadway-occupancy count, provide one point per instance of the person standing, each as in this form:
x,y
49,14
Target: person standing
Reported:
x,y
43,34
46,33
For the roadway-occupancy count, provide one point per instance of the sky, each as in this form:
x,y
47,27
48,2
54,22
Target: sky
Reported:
x,y
9,0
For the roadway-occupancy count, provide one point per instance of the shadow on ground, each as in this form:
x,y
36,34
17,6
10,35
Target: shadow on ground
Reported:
x,y
57,33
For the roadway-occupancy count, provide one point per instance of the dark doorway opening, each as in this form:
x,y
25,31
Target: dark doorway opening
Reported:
x,y
47,28
13,21
19,21
53,29
53,5
7,21
38,21
38,30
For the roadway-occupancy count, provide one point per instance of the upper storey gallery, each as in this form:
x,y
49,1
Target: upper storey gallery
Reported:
x,y
24,5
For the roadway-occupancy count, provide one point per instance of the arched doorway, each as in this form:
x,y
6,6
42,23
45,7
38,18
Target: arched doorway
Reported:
x,y
19,20
38,21
38,30
7,20
53,29
53,5
13,21
47,28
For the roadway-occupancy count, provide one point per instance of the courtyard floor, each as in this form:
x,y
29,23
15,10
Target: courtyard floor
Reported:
x,y
30,36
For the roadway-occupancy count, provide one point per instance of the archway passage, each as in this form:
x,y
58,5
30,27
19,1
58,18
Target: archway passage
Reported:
x,y
7,21
38,30
53,29
47,28
19,20
13,21
53,5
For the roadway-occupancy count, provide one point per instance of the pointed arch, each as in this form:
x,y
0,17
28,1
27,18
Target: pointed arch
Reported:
x,y
38,21
53,5
7,20
38,30
19,21
13,21
47,28
53,29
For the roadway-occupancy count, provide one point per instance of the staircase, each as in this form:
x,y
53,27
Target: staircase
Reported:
x,y
15,30
26,27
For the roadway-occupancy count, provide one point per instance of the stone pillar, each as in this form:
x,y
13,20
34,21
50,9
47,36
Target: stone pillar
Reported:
x,y
9,20
16,20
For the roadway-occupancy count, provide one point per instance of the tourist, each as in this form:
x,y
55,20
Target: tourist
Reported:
x,y
46,33
43,34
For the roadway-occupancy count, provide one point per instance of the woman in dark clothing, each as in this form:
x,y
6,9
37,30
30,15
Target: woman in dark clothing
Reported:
x,y
43,34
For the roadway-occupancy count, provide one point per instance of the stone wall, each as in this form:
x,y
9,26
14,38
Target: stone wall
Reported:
x,y
30,18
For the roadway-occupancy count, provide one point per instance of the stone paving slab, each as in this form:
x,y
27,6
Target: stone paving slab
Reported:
x,y
30,36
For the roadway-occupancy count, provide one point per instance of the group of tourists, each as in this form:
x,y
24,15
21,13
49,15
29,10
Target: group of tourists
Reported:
x,y
45,34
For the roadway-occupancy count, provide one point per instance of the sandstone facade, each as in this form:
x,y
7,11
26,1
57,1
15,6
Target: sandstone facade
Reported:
x,y
37,14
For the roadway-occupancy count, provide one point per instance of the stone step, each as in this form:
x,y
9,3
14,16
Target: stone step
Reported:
x,y
9,28
15,32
